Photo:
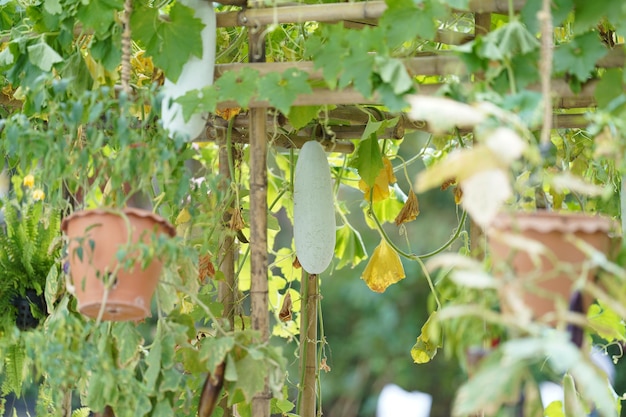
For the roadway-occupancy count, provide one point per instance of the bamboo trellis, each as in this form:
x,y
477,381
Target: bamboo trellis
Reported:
x,y
261,126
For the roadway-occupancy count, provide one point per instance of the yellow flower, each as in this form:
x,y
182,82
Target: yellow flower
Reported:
x,y
383,269
381,185
29,181
38,194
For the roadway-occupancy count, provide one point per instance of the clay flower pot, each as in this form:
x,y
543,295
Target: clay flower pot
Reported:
x,y
550,274
94,239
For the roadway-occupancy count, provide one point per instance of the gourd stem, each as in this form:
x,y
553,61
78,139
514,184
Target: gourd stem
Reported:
x,y
413,256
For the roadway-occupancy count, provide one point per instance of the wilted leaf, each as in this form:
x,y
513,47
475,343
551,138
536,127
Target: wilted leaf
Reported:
x,y
285,310
383,269
409,211
236,220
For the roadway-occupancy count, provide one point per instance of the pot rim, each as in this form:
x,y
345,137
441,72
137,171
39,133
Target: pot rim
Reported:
x,y
547,221
128,211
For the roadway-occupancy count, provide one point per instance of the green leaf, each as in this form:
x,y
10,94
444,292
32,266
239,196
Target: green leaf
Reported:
x,y
282,90
99,15
369,160
589,13
279,406
43,56
300,116
606,322
393,72
198,101
251,376
609,87
579,56
170,43
214,351
560,10
128,340
349,247
240,86
6,57
405,20
53,6
328,54
153,361
358,60
163,409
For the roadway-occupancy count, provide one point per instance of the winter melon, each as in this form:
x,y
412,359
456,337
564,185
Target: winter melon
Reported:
x,y
196,73
313,209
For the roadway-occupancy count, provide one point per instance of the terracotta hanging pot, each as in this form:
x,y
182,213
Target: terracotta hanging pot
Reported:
x,y
94,239
540,251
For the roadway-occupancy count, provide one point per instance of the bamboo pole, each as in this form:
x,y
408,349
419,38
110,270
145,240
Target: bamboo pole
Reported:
x,y
335,12
308,345
258,221
227,288
565,98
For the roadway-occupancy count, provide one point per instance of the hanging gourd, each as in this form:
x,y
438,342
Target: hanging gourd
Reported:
x,y
313,209
197,73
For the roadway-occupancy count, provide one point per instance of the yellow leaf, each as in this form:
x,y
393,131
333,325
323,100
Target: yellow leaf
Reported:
x,y
384,179
183,217
383,269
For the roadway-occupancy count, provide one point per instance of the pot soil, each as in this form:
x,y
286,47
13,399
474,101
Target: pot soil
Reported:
x,y
95,237
551,275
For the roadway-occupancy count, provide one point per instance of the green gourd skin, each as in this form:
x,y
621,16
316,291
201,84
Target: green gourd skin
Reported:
x,y
313,209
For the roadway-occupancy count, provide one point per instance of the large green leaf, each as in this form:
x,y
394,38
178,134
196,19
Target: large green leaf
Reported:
x,y
282,90
240,86
405,20
369,160
579,56
99,15
170,43
43,56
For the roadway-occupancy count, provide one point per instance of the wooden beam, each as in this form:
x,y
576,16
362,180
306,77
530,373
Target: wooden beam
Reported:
x,y
335,12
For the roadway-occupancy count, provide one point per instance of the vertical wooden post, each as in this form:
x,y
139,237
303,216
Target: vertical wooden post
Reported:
x,y
308,345
258,219
227,288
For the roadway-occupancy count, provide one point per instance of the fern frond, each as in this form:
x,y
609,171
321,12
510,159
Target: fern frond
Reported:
x,y
14,369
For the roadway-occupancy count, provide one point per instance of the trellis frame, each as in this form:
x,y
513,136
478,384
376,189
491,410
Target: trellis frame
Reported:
x,y
259,126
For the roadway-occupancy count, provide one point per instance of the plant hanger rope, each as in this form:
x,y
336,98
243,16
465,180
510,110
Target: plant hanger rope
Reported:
x,y
126,46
